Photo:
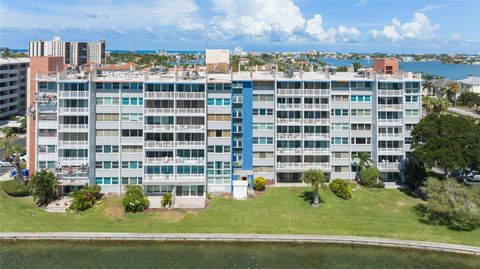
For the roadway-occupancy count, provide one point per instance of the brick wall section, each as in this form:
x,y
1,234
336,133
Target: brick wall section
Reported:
x,y
386,65
37,64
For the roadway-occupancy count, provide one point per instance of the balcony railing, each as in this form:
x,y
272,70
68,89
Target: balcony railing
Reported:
x,y
289,106
390,150
324,151
64,161
190,143
317,121
160,160
303,166
289,150
73,94
317,106
388,165
390,106
389,136
289,121
316,136
73,110
190,110
192,128
288,136
182,160
159,111
190,95
65,144
72,127
398,121
159,127
390,92
159,95
317,92
158,178
192,178
159,144
289,92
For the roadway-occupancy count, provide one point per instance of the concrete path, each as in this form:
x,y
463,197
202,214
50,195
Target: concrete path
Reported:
x,y
463,112
286,238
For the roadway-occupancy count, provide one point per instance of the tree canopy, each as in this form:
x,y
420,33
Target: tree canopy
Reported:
x,y
469,99
447,141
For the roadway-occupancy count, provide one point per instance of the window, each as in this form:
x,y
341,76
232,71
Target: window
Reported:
x,y
339,127
340,140
218,102
411,112
131,164
361,112
263,140
218,168
106,165
107,117
106,180
132,101
132,133
218,117
340,169
131,180
340,155
409,127
106,149
47,132
218,133
262,126
263,155
262,112
131,149
361,140
107,101
107,132
361,127
262,98
340,98
218,149
411,99
360,98
134,117
339,112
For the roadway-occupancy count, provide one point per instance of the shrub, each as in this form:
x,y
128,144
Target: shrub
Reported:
x,y
43,186
451,204
369,177
341,188
167,200
259,184
85,198
15,188
135,200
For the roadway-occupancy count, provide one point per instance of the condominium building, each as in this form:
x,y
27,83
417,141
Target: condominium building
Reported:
x,y
191,132
74,53
13,86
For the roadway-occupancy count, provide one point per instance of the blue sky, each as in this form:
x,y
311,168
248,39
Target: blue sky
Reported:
x,y
416,26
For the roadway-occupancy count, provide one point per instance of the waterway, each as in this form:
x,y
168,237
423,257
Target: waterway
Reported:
x,y
171,255
450,71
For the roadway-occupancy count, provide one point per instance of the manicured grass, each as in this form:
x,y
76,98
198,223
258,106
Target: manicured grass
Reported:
x,y
371,212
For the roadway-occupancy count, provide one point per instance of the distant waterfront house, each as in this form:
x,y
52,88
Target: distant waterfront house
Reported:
x,y
470,84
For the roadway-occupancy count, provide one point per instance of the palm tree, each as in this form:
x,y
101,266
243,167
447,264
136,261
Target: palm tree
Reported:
x,y
314,177
428,85
440,105
427,104
452,90
364,161
7,132
11,148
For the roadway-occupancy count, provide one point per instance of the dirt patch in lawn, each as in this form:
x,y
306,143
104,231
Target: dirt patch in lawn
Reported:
x,y
172,215
114,211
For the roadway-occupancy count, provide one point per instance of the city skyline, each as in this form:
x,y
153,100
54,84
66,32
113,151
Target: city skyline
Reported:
x,y
275,25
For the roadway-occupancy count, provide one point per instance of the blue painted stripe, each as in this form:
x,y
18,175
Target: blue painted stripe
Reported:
x,y
247,125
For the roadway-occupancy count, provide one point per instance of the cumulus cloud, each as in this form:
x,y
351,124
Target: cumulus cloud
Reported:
x,y
341,34
257,19
420,27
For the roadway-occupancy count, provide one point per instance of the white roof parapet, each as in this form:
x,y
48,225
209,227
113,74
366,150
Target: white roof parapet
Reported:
x,y
14,60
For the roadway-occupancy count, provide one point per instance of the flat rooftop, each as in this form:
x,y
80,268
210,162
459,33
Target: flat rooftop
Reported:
x,y
14,60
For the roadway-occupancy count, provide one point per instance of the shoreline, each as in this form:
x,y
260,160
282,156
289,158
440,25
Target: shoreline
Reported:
x,y
265,238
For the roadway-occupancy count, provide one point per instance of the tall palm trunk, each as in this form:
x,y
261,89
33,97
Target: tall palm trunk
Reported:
x,y
315,200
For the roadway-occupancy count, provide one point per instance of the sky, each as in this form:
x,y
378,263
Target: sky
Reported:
x,y
391,26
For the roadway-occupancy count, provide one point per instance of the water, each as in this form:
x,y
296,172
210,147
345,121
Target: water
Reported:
x,y
171,255
451,71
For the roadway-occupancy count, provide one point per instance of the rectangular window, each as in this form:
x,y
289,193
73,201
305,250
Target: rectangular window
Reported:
x,y
411,112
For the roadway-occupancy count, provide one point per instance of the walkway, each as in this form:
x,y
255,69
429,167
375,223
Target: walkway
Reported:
x,y
289,238
463,112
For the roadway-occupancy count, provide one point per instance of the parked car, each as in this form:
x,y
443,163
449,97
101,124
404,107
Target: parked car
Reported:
x,y
475,178
5,164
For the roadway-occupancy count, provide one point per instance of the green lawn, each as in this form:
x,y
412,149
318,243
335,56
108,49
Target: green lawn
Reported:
x,y
382,213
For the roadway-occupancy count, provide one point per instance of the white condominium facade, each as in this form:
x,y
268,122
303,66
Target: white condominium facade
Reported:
x,y
13,86
190,133
74,53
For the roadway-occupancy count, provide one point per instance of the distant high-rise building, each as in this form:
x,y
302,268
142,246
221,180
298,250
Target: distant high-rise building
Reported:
x,y
74,53
162,52
238,51
13,86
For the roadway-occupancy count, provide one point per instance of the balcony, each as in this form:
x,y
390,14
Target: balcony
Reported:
x,y
289,106
187,144
181,160
73,127
321,151
159,111
159,127
323,136
73,161
160,160
392,151
317,121
387,136
289,166
390,92
289,136
74,94
302,166
289,150
73,144
72,110
315,92
391,121
390,106
289,92
190,178
190,95
196,111
159,144
316,106
389,166
190,128
160,178
159,95
323,166
289,121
